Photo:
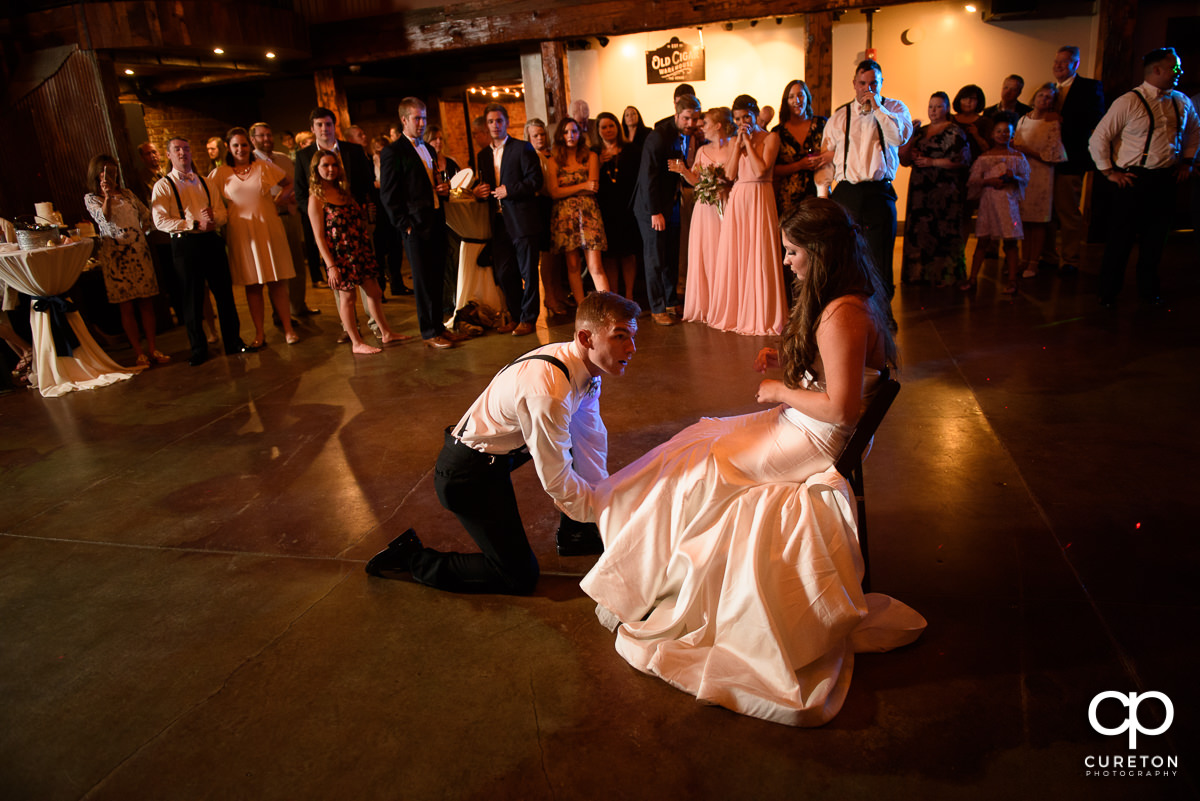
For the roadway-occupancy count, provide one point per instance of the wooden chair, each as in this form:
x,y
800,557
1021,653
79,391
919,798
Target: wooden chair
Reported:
x,y
849,463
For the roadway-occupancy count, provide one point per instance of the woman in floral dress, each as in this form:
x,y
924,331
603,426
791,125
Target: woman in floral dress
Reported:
x,y
800,154
575,222
1039,137
933,225
340,229
124,255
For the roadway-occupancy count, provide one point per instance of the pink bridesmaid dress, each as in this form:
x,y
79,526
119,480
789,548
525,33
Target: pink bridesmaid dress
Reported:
x,y
703,240
746,293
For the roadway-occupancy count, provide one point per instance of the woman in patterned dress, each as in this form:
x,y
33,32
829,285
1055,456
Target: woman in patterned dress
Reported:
x,y
1039,137
575,222
800,154
124,255
933,224
340,229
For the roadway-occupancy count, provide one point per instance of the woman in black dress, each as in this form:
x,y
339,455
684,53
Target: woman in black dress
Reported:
x,y
618,176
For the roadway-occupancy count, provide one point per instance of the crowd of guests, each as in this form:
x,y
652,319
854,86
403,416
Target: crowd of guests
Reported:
x,y
812,197
690,205
1019,169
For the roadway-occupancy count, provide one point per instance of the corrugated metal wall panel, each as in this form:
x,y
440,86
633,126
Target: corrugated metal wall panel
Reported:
x,y
71,124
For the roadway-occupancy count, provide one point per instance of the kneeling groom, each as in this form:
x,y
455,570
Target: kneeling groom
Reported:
x,y
544,406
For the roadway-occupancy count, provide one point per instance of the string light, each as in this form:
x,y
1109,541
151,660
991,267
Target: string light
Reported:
x,y
513,91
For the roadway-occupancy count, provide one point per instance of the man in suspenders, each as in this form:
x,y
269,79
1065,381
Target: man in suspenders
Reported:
x,y
184,205
1144,144
544,407
865,136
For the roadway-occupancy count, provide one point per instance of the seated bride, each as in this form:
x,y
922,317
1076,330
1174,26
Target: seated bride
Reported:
x,y
731,567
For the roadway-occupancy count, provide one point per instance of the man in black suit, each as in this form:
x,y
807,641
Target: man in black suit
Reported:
x,y
656,205
1010,92
512,190
414,201
1081,104
360,173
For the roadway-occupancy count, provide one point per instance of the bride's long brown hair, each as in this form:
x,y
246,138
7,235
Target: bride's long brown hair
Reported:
x,y
839,264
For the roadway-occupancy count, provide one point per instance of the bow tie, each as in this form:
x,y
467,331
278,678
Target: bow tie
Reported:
x,y
187,176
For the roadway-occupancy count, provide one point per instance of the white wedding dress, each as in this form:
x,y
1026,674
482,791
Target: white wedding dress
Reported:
x,y
732,569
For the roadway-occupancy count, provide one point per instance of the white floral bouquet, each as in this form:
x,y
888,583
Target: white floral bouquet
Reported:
x,y
712,188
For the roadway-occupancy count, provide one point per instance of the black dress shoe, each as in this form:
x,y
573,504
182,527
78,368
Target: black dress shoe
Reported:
x,y
401,290
577,539
198,359
397,557
308,312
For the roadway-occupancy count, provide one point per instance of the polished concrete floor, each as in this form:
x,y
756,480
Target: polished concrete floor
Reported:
x,y
184,613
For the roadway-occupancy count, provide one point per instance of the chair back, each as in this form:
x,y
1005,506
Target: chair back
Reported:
x,y
849,463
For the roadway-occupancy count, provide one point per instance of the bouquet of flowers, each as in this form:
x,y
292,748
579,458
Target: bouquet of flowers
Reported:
x,y
712,189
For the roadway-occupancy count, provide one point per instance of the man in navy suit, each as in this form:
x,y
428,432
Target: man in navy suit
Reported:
x,y
1081,104
414,201
510,175
656,205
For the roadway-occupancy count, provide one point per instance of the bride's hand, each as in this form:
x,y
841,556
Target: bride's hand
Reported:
x,y
766,359
769,391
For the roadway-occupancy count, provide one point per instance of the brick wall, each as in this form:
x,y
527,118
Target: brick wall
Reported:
x,y
197,118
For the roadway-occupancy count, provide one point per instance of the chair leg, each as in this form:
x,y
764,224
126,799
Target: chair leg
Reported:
x,y
862,542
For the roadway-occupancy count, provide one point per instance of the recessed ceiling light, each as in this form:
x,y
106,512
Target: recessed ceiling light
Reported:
x,y
270,54
128,72
218,51
970,9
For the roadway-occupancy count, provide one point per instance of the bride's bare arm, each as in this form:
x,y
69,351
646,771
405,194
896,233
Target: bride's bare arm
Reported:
x,y
842,338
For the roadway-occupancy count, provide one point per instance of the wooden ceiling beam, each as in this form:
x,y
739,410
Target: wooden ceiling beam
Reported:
x,y
480,24
166,26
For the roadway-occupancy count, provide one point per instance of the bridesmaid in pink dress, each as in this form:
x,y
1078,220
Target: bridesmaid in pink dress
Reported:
x,y
747,293
705,229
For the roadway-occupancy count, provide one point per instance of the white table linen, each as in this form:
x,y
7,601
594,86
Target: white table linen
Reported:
x,y
46,272
470,220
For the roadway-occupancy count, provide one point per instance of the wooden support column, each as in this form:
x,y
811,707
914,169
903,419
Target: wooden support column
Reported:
x,y
818,60
557,82
332,96
1117,66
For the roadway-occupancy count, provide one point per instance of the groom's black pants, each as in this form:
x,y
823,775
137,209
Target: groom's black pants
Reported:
x,y
477,487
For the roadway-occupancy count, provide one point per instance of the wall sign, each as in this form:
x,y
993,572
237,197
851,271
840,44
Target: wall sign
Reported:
x,y
675,62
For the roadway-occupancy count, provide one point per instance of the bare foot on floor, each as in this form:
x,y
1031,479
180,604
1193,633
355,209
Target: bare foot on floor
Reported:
x,y
365,349
392,339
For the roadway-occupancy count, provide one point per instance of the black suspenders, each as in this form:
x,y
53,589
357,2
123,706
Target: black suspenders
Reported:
x,y
540,356
207,194
1150,132
846,144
